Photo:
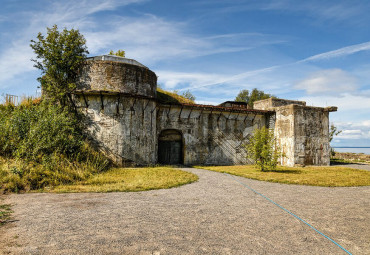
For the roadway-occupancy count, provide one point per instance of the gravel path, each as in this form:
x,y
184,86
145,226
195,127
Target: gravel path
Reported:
x,y
215,215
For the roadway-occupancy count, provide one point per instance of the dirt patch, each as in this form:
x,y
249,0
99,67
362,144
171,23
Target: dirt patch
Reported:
x,y
8,239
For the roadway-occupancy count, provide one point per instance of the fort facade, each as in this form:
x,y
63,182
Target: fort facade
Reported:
x,y
133,127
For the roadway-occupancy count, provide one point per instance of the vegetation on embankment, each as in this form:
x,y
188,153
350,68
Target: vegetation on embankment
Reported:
x,y
167,97
348,157
130,179
44,145
313,176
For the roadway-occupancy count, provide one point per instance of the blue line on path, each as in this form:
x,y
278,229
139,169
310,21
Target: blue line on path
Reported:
x,y
308,224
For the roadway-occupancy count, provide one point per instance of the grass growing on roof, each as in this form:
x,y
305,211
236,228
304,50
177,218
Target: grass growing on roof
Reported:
x,y
130,179
314,176
166,97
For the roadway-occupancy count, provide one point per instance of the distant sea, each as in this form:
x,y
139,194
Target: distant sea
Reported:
x,y
365,150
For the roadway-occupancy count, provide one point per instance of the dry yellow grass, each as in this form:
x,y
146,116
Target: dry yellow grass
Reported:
x,y
170,97
130,179
314,176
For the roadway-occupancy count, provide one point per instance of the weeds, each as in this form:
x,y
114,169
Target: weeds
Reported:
x,y
5,212
44,145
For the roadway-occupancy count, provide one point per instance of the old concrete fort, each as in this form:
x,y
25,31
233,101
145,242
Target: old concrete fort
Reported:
x,y
133,126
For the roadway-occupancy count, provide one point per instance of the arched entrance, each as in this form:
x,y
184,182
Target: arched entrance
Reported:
x,y
170,147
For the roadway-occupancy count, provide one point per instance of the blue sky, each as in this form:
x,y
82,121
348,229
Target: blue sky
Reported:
x,y
316,51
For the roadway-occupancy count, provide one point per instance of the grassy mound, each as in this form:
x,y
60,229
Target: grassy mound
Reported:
x,y
166,97
313,176
130,179
44,145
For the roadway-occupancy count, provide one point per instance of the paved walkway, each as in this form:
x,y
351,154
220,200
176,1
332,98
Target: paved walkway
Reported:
x,y
215,215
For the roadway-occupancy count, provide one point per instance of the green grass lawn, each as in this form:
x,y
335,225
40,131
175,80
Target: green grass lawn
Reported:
x,y
314,176
130,179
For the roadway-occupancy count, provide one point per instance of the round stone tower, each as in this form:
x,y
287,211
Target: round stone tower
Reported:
x,y
118,96
108,73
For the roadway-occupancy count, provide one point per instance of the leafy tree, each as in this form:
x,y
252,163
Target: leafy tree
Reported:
x,y
250,98
333,132
243,96
187,94
60,56
263,150
119,53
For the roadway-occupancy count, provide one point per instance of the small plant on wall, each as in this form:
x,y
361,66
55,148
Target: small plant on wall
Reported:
x,y
263,150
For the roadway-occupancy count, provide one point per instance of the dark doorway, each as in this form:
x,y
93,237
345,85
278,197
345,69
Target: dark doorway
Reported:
x,y
170,147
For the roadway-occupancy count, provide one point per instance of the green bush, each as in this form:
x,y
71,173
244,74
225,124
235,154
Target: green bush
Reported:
x,y
44,145
263,149
30,132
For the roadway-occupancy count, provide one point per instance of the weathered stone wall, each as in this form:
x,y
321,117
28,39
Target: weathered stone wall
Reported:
x,y
126,120
123,127
311,131
270,103
99,75
212,138
301,131
127,130
284,133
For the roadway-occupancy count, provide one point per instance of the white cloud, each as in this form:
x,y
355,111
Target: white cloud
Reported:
x,y
147,38
349,50
16,55
150,39
230,79
207,102
330,82
346,103
172,80
15,61
353,130
337,11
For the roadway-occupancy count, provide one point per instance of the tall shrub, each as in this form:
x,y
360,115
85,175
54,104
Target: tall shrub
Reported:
x,y
44,145
263,149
